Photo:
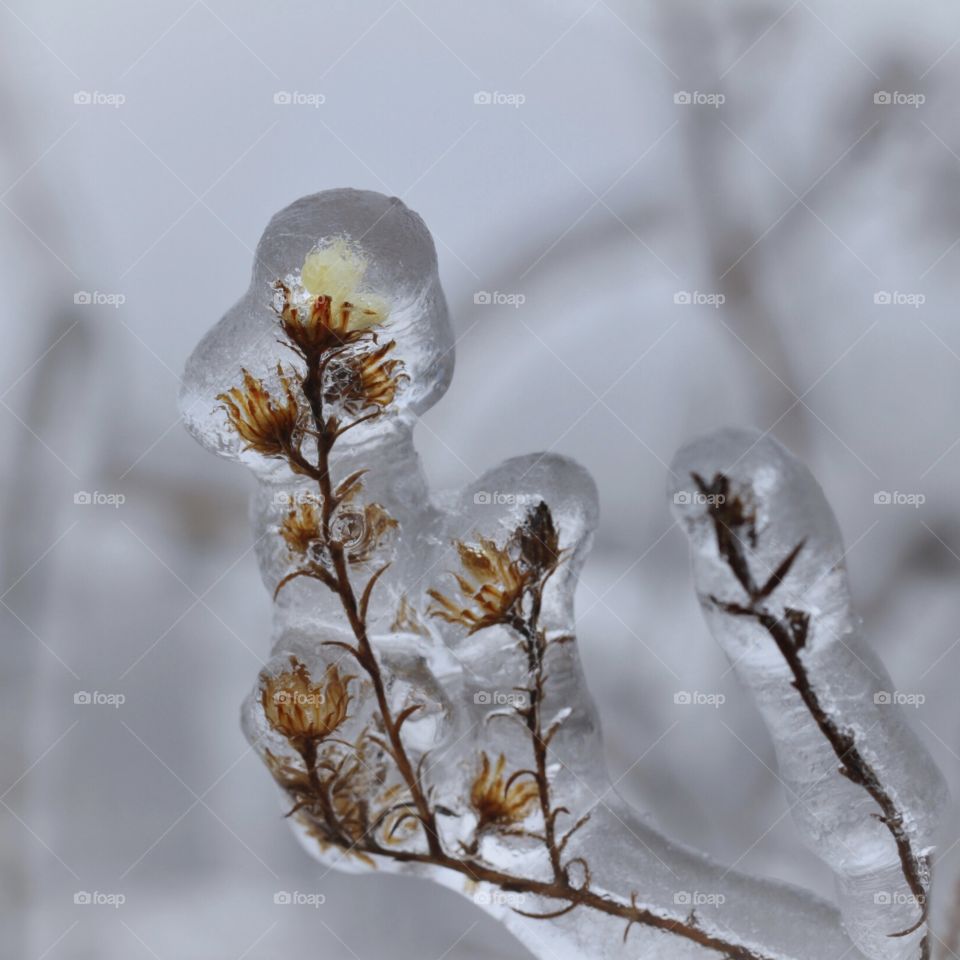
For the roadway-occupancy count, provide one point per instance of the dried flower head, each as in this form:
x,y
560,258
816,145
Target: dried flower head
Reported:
x,y
491,587
323,324
300,709
362,531
301,529
271,426
500,802
493,579
339,310
537,540
365,380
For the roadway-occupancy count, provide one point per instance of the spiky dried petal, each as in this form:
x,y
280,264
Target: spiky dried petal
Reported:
x,y
499,801
268,425
491,587
365,381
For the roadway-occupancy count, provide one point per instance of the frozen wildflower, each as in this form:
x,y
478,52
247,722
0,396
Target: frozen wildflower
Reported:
x,y
302,710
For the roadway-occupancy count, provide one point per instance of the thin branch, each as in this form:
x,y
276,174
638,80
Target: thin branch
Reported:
x,y
730,517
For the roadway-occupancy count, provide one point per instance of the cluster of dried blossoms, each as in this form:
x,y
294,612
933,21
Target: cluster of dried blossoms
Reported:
x,y
366,797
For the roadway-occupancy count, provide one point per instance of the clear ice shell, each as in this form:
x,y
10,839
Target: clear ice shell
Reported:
x,y
835,817
402,267
435,661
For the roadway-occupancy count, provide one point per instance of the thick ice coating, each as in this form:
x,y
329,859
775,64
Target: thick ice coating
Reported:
x,y
769,568
393,258
423,709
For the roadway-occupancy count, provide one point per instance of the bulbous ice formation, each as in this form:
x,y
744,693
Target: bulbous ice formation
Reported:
x,y
423,709
400,264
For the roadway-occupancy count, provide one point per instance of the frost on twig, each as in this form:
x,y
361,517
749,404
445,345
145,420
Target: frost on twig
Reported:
x,y
770,573
423,710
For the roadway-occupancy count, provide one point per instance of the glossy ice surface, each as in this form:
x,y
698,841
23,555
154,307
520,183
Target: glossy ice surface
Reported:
x,y
463,686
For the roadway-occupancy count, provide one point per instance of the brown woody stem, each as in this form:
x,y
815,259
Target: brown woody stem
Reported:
x,y
790,636
535,645
562,890
321,791
326,438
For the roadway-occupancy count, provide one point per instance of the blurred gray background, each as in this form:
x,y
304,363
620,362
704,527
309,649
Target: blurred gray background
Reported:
x,y
780,251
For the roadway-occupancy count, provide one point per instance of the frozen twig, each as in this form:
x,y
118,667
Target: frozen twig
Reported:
x,y
423,710
769,566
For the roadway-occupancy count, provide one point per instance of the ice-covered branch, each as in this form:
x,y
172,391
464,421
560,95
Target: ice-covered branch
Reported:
x,y
770,572
424,711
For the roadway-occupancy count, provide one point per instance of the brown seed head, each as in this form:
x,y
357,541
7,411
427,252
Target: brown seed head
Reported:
x,y
300,709
323,324
365,380
538,541
500,802
491,587
302,528
266,424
